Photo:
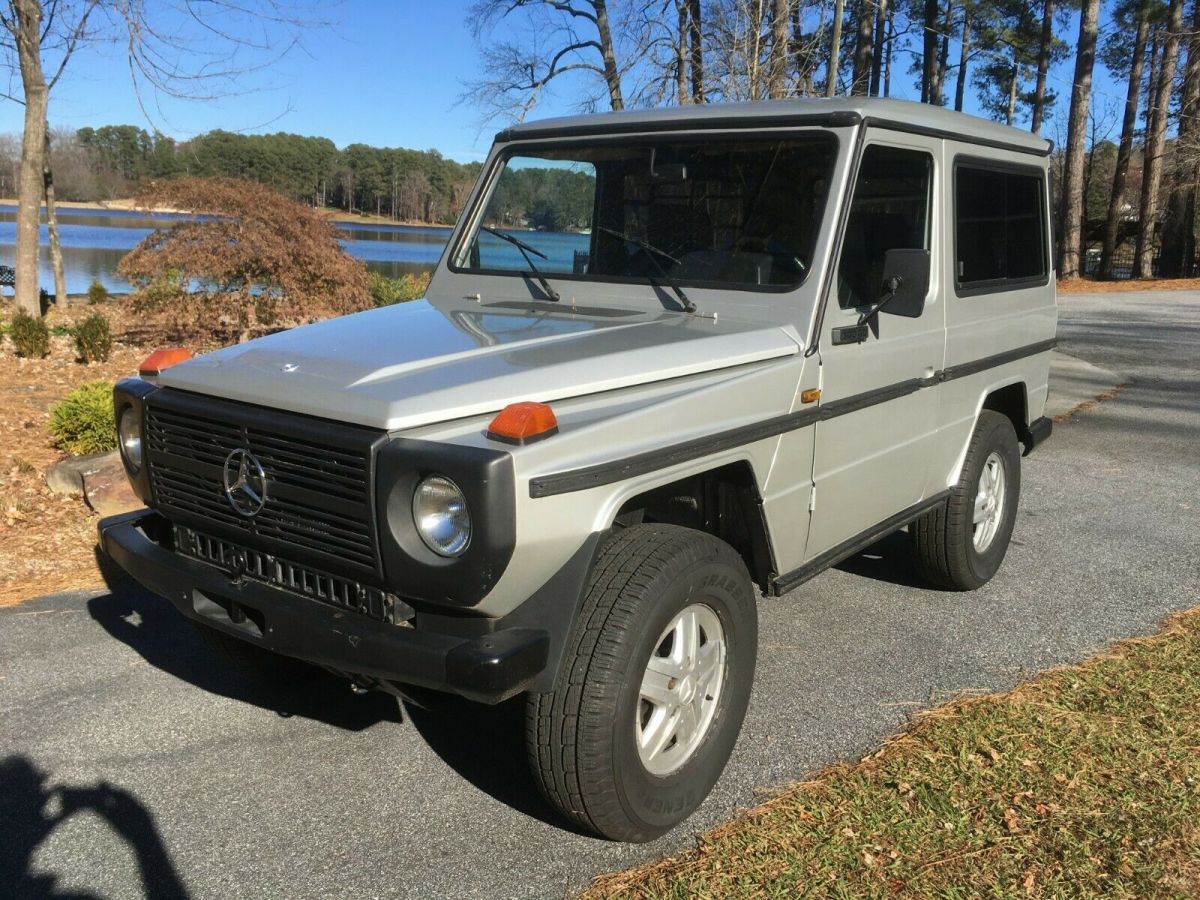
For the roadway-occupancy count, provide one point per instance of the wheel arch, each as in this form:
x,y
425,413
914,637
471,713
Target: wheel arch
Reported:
x,y
723,501
1011,400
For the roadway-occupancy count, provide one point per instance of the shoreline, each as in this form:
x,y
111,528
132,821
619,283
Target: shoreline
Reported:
x,y
127,204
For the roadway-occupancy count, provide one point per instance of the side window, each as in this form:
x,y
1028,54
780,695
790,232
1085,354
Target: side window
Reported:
x,y
890,210
999,229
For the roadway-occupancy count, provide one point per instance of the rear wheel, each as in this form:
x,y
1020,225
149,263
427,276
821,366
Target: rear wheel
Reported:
x,y
960,544
653,689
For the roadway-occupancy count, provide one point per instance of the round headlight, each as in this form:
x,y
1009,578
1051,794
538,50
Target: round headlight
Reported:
x,y
440,513
129,431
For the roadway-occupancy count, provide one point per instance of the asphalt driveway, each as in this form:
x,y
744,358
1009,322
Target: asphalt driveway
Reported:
x,y
132,762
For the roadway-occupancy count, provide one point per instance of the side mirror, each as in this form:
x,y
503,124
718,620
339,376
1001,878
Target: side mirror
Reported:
x,y
908,272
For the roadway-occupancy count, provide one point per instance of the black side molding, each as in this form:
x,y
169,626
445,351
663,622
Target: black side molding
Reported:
x,y
652,460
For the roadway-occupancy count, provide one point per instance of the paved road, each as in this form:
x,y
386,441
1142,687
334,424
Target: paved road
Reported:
x,y
130,762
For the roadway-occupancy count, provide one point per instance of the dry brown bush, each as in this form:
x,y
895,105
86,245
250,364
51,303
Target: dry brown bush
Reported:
x,y
263,261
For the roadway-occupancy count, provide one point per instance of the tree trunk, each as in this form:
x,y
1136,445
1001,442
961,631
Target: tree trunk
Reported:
x,y
1156,138
612,75
1012,92
56,259
1043,66
777,77
929,52
28,17
1116,200
696,38
861,79
881,13
939,88
1070,248
1179,229
835,46
960,87
887,61
681,49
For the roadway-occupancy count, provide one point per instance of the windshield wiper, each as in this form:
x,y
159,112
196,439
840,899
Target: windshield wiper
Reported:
x,y
653,252
526,249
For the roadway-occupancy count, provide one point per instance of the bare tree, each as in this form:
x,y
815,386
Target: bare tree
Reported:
x,y
559,37
56,259
1156,138
882,9
777,78
1179,227
964,55
1043,66
860,78
696,46
1136,61
1071,214
929,44
40,37
835,44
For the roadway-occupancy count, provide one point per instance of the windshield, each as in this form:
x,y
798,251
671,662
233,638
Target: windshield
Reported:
x,y
735,213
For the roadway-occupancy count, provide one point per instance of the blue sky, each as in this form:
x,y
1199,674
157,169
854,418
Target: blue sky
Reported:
x,y
389,74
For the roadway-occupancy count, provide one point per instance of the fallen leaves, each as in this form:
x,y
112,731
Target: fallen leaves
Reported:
x,y
47,540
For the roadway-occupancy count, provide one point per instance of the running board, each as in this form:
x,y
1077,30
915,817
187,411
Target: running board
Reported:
x,y
834,555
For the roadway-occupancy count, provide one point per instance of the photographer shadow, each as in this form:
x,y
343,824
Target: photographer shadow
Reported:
x,y
32,811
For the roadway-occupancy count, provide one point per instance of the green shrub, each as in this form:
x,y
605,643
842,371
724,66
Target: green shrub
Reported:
x,y
386,291
96,293
30,336
93,340
82,422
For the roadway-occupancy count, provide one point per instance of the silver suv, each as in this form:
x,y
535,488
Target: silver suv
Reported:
x,y
667,357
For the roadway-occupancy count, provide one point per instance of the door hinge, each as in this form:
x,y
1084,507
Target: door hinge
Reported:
x,y
812,499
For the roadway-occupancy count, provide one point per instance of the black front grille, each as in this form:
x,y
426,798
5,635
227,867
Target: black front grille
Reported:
x,y
318,477
245,562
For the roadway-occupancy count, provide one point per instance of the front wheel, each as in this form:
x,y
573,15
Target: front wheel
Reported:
x,y
654,685
960,544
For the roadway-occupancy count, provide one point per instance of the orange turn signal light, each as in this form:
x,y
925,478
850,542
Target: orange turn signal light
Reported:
x,y
812,395
523,423
163,359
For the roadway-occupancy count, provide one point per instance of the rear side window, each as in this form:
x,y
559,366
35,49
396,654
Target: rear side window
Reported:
x,y
1000,228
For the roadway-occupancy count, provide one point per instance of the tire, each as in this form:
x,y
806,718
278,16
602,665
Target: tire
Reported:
x,y
253,661
950,549
583,737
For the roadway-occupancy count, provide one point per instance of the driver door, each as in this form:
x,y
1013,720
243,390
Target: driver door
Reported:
x,y
878,400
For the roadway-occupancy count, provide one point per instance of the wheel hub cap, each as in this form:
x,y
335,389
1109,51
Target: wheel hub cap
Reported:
x,y
680,690
989,502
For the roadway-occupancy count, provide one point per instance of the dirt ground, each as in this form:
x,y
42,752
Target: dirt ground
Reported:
x,y
47,540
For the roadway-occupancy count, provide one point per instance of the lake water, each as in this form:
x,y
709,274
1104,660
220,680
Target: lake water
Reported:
x,y
93,242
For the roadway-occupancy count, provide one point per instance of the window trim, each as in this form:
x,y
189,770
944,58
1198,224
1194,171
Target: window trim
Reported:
x,y
930,212
965,290
460,242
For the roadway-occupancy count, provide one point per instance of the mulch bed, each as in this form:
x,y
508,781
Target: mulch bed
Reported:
x,y
48,540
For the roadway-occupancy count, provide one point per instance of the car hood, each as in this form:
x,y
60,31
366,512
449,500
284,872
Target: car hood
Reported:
x,y
416,364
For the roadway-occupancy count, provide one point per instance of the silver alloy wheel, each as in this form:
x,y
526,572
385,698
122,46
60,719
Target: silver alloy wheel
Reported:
x,y
681,689
989,502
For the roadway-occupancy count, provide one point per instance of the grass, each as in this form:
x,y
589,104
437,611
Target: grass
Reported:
x,y
1082,782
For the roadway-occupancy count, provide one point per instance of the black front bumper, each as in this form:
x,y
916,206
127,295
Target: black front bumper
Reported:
x,y
489,667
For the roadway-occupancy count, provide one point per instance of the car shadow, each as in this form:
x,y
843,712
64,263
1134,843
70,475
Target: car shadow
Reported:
x,y
888,560
31,811
169,642
486,746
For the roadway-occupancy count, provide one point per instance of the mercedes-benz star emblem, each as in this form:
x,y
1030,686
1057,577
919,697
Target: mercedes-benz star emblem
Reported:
x,y
245,483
